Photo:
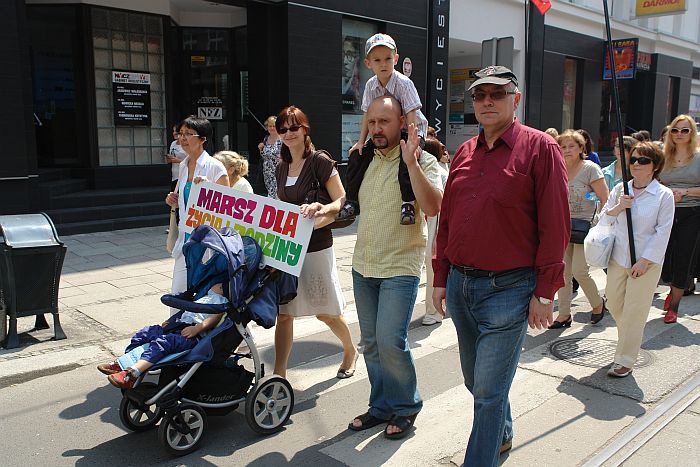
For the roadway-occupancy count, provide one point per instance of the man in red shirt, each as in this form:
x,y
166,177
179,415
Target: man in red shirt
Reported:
x,y
504,226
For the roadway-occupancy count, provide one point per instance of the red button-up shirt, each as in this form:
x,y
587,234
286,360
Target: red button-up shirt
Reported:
x,y
505,208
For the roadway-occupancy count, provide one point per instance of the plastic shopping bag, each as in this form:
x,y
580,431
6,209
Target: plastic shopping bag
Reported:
x,y
598,245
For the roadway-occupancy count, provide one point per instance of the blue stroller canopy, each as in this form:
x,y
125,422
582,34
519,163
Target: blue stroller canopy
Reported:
x,y
206,268
224,257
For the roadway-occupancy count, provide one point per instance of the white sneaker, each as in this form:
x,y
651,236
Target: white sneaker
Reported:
x,y
429,320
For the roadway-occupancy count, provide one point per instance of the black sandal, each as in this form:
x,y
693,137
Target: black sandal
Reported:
x,y
402,423
597,317
368,421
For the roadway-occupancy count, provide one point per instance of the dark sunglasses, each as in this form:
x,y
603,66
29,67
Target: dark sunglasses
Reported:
x,y
640,160
293,128
683,131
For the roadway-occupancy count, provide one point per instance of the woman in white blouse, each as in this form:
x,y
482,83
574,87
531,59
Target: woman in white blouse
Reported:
x,y
198,166
630,288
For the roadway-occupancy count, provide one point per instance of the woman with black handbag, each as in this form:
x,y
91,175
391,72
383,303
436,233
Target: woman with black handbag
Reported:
x,y
308,178
585,178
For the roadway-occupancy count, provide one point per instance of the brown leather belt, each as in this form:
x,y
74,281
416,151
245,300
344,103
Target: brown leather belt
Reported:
x,y
474,272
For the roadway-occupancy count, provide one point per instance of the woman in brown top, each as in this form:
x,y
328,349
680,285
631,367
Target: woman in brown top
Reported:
x,y
318,292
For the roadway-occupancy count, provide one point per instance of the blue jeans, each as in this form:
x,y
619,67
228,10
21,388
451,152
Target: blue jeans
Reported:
x,y
490,316
384,308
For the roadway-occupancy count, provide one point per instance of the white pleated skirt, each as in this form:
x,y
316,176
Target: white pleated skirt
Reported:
x,y
319,291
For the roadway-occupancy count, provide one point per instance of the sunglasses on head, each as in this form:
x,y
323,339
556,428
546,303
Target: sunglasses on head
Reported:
x,y
640,160
683,131
293,128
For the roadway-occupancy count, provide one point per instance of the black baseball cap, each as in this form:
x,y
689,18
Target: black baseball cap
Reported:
x,y
497,74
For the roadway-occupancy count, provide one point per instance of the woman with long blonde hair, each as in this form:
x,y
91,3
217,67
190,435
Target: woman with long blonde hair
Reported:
x,y
682,175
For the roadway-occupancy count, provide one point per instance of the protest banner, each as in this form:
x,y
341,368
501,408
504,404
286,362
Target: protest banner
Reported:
x,y
278,227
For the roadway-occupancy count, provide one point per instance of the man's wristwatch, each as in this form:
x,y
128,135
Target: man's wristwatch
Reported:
x,y
544,301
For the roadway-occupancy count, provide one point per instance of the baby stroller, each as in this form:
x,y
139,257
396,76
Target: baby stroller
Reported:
x,y
209,380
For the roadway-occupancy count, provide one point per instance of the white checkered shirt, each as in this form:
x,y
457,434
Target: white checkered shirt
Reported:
x,y
403,89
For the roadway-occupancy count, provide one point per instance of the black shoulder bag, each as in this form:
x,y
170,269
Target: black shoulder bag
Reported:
x,y
319,194
580,228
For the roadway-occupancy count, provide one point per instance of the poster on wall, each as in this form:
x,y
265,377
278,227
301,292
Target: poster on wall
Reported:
x,y
350,86
354,77
211,108
351,132
625,55
131,93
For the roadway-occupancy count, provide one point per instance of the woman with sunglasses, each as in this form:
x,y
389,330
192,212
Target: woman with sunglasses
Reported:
x,y
682,175
318,291
630,287
585,177
197,167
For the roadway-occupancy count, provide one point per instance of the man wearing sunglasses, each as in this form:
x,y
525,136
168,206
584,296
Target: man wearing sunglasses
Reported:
x,y
503,229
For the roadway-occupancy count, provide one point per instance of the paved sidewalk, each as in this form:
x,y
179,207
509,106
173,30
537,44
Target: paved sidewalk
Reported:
x,y
110,286
112,283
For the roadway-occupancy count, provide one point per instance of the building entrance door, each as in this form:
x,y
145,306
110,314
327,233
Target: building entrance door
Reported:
x,y
210,96
54,51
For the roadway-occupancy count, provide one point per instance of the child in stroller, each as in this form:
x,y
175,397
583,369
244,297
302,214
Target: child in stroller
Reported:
x,y
166,339
208,379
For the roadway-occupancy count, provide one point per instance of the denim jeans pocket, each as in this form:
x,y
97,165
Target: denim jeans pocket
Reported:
x,y
515,278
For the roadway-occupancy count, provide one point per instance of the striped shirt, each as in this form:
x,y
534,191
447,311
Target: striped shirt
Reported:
x,y
403,89
385,248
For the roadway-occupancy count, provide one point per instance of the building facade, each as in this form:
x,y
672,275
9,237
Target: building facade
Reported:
x,y
93,87
560,59
99,83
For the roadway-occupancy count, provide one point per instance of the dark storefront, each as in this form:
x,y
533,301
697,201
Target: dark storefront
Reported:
x,y
570,91
90,156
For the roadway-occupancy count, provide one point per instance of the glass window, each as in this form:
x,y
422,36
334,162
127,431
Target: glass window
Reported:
x,y
137,42
128,42
118,40
107,156
210,40
353,78
568,113
608,114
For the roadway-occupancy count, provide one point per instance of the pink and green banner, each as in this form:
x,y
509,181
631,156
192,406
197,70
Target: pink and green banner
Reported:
x,y
278,227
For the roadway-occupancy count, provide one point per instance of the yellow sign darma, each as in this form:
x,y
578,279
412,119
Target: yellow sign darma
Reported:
x,y
660,7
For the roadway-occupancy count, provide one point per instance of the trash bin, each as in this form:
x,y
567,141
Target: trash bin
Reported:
x,y
31,259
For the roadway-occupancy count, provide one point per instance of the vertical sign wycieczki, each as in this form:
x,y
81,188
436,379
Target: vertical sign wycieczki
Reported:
x,y
438,39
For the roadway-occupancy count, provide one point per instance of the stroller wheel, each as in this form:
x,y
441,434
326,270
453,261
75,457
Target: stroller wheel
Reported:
x,y
269,404
136,417
182,428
